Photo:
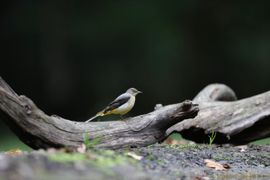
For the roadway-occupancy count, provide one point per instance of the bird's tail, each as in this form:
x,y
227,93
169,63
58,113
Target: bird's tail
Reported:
x,y
101,113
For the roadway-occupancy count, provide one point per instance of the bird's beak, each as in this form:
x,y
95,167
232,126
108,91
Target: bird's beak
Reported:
x,y
139,92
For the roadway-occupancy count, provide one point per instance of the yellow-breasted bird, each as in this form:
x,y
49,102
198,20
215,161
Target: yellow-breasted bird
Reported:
x,y
121,105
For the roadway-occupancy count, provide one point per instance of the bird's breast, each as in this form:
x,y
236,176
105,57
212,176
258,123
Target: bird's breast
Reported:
x,y
125,108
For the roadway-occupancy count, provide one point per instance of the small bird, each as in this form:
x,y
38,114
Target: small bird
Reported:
x,y
121,105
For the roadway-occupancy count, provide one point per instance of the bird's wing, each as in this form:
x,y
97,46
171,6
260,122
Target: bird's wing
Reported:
x,y
120,100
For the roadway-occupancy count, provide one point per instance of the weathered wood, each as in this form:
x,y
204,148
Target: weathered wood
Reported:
x,y
39,130
236,122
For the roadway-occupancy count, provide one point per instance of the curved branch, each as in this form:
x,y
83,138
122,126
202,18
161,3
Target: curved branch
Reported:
x,y
39,130
236,122
215,92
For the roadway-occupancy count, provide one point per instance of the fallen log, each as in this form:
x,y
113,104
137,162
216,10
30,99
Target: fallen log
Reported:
x,y
39,130
235,122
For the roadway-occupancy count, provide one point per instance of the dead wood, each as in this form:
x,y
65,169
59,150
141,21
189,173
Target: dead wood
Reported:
x,y
236,122
39,130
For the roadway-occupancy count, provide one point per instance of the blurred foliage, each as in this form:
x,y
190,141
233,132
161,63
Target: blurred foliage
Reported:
x,y
10,141
74,57
262,141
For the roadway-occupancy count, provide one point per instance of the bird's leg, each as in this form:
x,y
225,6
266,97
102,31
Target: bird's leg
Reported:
x,y
122,117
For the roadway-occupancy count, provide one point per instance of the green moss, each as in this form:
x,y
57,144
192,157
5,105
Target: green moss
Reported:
x,y
99,158
150,157
67,157
219,157
160,162
108,158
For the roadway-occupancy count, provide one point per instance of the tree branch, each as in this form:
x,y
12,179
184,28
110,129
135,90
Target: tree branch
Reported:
x,y
39,130
236,122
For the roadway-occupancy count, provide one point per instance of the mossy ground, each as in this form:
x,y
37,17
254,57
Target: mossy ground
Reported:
x,y
158,162
99,158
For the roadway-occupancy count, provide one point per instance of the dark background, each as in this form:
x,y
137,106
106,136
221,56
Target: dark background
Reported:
x,y
73,57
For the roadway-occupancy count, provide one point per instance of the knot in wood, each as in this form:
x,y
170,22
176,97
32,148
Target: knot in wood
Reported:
x,y
187,104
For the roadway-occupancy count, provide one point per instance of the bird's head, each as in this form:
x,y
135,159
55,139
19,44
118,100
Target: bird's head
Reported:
x,y
133,91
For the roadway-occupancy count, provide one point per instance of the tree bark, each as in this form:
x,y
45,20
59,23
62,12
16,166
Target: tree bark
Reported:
x,y
235,122
38,130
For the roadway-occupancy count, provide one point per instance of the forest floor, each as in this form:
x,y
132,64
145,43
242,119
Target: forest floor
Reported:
x,y
160,161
